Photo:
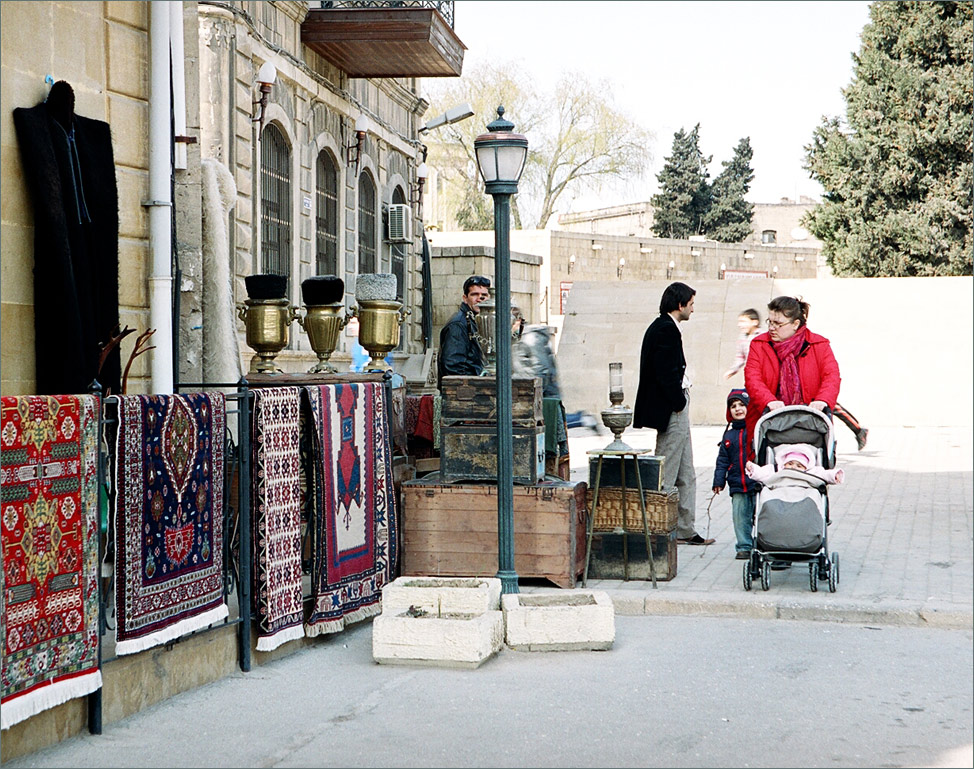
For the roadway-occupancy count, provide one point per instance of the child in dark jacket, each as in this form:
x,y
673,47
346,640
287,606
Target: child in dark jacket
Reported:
x,y
730,470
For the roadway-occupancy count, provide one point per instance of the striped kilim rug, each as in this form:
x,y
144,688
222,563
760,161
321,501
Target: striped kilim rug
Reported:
x,y
276,504
353,512
49,617
169,469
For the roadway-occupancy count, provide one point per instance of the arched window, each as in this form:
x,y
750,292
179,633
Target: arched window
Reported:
x,y
399,252
366,225
275,202
326,222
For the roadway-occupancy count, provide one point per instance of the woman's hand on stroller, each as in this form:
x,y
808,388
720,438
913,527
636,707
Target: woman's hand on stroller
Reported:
x,y
775,405
818,405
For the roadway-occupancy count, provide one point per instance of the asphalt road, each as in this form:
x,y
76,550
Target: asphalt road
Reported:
x,y
673,691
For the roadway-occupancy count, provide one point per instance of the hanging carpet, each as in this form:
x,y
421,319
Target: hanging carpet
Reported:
x,y
169,469
353,512
276,504
49,617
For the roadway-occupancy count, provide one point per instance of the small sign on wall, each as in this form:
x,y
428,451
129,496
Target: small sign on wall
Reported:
x,y
351,328
738,274
564,290
307,204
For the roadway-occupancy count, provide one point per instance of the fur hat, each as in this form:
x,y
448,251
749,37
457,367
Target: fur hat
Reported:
x,y
800,452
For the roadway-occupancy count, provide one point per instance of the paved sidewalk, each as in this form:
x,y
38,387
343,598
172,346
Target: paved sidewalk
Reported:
x,y
901,524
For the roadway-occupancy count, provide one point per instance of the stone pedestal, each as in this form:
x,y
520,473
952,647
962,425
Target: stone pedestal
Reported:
x,y
564,621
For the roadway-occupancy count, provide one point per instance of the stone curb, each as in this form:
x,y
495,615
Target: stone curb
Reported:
x,y
758,606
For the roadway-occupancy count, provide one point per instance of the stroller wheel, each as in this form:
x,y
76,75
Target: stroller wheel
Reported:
x,y
766,575
833,574
813,577
835,566
747,575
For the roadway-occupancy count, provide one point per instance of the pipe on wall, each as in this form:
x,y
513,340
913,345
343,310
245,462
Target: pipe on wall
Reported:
x,y
160,200
178,80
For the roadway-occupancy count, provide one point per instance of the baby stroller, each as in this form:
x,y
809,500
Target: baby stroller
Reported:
x,y
791,514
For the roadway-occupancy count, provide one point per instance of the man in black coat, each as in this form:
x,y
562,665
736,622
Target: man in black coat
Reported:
x,y
460,353
663,403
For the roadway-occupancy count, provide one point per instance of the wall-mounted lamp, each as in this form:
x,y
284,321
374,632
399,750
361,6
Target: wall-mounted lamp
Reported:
x,y
748,255
416,193
354,151
571,263
266,77
720,274
775,270
596,246
645,249
799,258
619,269
669,269
695,252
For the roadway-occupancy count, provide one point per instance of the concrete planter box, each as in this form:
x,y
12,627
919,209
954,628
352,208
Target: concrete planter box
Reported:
x,y
448,640
442,595
565,621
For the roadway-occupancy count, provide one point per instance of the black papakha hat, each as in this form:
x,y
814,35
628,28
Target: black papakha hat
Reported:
x,y
266,286
322,289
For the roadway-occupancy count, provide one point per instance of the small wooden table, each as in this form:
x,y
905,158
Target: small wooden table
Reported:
x,y
590,523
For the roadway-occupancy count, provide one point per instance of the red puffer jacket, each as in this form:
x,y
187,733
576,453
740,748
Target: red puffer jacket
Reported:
x,y
817,370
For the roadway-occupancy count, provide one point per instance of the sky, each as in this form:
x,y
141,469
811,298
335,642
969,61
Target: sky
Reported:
x,y
767,70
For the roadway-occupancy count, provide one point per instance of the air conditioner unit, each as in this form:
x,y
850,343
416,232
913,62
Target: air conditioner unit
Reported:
x,y
400,219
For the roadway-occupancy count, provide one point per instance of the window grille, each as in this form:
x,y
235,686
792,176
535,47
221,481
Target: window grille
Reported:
x,y
326,222
399,252
366,225
275,203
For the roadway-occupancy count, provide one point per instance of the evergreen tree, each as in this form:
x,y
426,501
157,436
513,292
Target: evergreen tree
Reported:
x,y
898,176
729,217
683,199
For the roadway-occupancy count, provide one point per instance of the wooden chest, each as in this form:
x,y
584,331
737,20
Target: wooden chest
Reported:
x,y
607,556
469,453
473,399
451,530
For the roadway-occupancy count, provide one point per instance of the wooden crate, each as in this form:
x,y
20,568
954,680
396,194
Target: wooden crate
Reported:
x,y
473,399
607,561
650,471
451,530
469,453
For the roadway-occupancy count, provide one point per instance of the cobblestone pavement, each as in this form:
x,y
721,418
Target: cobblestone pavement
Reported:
x,y
901,522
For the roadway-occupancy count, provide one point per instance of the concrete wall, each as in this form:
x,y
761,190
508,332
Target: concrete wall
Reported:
x,y
904,345
451,266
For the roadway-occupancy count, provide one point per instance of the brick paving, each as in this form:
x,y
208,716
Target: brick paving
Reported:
x,y
902,526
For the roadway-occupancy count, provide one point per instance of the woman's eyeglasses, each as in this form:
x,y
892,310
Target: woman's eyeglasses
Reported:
x,y
780,323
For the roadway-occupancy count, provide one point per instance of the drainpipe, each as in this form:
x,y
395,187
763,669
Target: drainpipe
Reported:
x,y
160,201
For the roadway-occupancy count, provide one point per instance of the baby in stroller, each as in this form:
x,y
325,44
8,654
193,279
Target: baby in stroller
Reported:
x,y
795,447
794,456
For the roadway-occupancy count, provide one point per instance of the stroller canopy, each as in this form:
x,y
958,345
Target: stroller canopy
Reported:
x,y
794,424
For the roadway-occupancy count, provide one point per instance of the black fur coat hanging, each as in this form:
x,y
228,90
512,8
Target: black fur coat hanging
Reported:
x,y
69,167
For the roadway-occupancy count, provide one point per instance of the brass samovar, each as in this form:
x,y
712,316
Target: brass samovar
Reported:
x,y
266,313
380,316
324,317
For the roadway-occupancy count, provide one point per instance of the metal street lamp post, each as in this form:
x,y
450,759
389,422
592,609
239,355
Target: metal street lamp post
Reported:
x,y
500,155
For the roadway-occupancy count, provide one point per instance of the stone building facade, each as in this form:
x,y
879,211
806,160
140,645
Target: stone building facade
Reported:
x,y
103,50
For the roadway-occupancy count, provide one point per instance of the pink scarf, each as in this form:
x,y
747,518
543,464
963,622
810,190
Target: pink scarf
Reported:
x,y
789,384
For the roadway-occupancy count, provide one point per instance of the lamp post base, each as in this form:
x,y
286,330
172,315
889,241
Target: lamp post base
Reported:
x,y
508,582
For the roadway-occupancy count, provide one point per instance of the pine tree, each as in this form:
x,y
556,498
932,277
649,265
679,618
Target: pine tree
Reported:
x,y
683,199
729,217
898,175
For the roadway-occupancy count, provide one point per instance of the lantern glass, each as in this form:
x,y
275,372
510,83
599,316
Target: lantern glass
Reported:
x,y
615,379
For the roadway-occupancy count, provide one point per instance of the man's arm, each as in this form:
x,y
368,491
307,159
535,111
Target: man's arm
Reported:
x,y
667,360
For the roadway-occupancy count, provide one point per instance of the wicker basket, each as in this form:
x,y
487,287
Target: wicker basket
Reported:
x,y
661,511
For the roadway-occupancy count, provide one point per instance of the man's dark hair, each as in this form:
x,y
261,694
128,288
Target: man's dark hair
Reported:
x,y
475,280
675,296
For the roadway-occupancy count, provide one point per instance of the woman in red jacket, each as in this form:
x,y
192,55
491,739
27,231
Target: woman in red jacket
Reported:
x,y
789,364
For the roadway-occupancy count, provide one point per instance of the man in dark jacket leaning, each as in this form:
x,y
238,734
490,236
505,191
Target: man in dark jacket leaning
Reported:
x,y
663,403
460,353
